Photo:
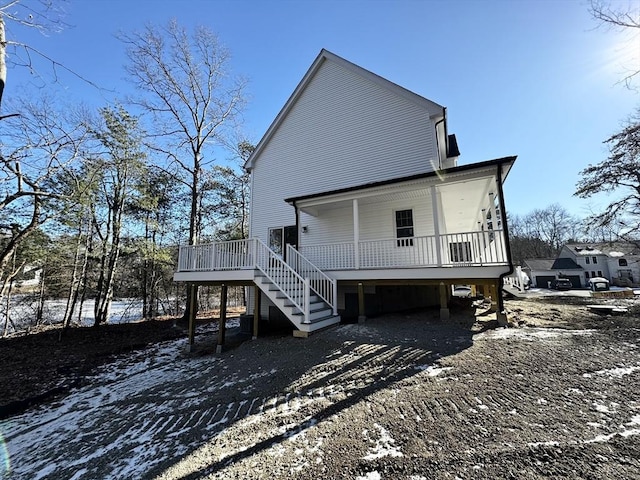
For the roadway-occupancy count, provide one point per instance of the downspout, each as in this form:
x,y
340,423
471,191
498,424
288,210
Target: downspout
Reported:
x,y
505,229
444,118
250,232
298,232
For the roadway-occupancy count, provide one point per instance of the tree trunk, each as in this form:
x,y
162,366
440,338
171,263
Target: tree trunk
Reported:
x,y
3,57
40,311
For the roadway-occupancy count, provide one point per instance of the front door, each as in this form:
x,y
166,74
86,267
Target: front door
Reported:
x,y
280,237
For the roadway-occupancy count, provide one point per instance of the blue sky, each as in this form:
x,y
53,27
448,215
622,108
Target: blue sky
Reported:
x,y
535,79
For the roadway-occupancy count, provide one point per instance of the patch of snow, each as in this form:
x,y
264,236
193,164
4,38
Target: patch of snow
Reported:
x,y
370,476
604,408
551,443
618,372
605,438
384,446
531,333
635,420
433,370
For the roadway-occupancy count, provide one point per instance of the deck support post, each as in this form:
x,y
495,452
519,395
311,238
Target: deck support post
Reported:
x,y
223,318
193,295
493,292
501,315
256,310
444,301
361,311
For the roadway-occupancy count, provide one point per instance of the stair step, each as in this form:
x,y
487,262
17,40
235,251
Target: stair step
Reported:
x,y
319,324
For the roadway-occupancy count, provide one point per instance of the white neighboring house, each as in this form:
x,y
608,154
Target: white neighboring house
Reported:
x,y
30,277
619,262
359,206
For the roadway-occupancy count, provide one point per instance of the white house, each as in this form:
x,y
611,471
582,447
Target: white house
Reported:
x,y
359,207
619,262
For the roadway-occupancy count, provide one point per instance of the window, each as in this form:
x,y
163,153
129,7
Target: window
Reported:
x,y
622,262
275,240
586,275
280,237
587,260
593,274
404,228
599,273
595,260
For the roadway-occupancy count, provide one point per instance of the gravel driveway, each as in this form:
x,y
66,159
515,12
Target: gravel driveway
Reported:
x,y
400,397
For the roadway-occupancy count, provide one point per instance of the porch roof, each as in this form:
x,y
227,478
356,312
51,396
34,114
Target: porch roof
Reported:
x,y
463,192
505,163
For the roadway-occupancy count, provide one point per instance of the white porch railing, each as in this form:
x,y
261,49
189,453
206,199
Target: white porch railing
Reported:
x,y
323,285
232,255
458,249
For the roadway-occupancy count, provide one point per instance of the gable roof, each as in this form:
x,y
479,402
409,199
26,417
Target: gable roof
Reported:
x,y
435,109
539,263
564,263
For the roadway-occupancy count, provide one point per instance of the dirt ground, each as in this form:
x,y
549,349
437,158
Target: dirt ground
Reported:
x,y
399,397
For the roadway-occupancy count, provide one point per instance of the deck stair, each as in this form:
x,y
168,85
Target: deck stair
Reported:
x,y
307,301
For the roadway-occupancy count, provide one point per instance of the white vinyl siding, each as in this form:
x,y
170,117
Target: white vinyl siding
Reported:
x,y
333,226
377,221
343,131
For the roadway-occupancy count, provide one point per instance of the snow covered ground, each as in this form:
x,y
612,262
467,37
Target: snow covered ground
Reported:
x,y
23,311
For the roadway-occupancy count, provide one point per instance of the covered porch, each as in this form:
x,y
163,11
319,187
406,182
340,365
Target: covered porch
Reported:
x,y
442,220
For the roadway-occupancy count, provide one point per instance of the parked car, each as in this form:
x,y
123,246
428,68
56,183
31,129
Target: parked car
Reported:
x,y
562,284
598,284
463,291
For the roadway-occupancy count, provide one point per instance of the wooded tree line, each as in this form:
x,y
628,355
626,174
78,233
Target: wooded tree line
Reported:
x,y
95,202
542,232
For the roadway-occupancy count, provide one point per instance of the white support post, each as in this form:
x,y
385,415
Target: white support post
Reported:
x,y
436,224
494,214
356,233
255,253
307,300
334,296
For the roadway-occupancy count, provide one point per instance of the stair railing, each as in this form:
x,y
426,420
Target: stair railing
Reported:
x,y
295,287
322,284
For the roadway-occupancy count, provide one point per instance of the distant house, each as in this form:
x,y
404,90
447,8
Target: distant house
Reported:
x,y
618,262
30,277
359,207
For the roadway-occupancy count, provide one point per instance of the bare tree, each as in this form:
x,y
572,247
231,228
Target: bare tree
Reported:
x,y
618,176
542,232
36,147
43,15
191,98
617,15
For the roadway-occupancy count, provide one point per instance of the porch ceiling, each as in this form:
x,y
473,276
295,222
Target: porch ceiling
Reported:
x,y
460,202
